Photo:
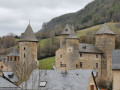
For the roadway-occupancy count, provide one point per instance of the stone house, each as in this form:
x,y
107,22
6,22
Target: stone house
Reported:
x,y
116,69
74,55
58,80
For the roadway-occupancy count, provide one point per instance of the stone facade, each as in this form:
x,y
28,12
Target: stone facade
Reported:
x,y
74,55
116,79
28,51
106,43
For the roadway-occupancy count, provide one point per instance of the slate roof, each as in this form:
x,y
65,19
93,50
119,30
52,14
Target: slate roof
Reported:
x,y
104,30
72,80
28,35
88,48
7,85
68,30
11,76
116,59
14,52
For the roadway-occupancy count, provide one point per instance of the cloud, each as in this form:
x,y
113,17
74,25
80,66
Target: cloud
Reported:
x,y
15,14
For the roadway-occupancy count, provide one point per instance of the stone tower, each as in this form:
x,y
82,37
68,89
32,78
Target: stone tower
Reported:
x,y
28,45
66,55
64,35
105,41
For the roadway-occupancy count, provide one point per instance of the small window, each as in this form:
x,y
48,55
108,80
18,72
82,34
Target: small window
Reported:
x,y
24,48
1,66
43,84
62,65
80,64
10,58
69,49
60,56
92,87
80,54
96,65
66,30
96,55
15,59
76,65
24,55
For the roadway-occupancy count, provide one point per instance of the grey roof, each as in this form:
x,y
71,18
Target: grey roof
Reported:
x,y
14,52
7,85
68,30
72,80
116,59
88,48
28,35
11,76
104,30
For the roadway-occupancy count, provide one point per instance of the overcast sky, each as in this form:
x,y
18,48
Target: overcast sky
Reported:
x,y
15,14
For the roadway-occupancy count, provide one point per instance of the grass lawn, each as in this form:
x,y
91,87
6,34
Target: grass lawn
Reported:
x,y
46,63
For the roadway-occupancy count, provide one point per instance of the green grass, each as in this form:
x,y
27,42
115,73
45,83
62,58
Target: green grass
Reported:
x,y
46,63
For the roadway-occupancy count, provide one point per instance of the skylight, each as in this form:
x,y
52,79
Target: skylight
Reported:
x,y
43,84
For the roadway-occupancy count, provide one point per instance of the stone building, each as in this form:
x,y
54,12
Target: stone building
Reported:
x,y
55,80
74,55
116,69
28,45
13,56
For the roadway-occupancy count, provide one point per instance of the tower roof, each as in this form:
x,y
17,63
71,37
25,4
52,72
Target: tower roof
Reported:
x,y
68,30
104,30
14,52
28,35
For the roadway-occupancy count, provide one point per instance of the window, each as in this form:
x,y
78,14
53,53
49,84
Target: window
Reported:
x,y
96,55
15,58
24,48
69,49
1,66
76,65
80,54
24,55
60,56
62,65
92,87
96,65
80,64
43,84
10,58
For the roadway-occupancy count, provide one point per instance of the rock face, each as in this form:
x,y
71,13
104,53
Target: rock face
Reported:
x,y
74,55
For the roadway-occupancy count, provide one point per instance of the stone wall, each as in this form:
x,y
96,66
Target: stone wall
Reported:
x,y
106,43
28,51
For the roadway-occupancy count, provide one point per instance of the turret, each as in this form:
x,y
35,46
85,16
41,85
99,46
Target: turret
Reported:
x,y
105,41
66,32
28,45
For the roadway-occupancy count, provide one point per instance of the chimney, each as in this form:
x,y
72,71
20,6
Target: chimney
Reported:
x,y
63,71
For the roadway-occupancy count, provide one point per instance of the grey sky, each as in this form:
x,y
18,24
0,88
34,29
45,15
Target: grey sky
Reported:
x,y
15,14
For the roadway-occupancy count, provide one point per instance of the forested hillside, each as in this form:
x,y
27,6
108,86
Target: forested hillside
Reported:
x,y
94,13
